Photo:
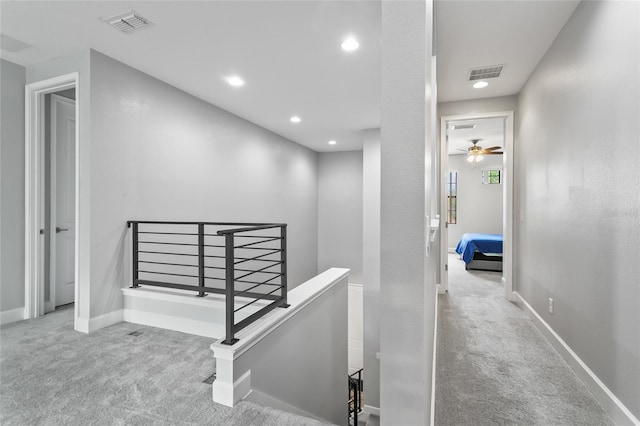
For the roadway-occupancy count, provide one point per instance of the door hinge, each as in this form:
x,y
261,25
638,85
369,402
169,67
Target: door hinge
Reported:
x,y
446,266
42,232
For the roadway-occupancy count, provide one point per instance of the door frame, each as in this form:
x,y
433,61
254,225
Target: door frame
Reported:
x,y
35,181
53,248
507,197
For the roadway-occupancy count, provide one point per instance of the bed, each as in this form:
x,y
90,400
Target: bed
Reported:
x,y
481,251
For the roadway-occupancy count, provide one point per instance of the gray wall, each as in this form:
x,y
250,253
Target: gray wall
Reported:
x,y
160,153
479,205
12,80
578,191
477,106
340,212
407,280
371,264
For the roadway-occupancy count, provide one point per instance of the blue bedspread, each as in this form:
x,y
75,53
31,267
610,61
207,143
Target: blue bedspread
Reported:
x,y
484,243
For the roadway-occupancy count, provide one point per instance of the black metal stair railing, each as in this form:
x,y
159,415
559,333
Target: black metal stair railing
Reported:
x,y
246,262
355,396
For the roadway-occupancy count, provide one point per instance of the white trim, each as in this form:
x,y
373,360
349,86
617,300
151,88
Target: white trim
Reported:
x,y
370,409
34,190
12,315
102,321
298,298
433,363
508,201
616,409
90,325
170,322
229,394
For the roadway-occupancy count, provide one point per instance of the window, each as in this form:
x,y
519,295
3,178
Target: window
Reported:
x,y
452,197
491,176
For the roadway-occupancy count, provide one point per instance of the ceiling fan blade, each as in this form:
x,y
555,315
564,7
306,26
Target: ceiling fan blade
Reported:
x,y
492,153
463,150
493,148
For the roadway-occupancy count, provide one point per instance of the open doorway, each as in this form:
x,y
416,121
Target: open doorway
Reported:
x,y
51,192
476,197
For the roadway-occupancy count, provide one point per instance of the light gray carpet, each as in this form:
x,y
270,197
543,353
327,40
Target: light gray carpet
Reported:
x,y
53,375
495,368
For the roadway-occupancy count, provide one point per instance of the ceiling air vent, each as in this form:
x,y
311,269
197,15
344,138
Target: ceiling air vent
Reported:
x,y
485,72
127,22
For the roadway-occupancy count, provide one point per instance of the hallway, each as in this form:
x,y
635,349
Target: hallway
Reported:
x,y
493,365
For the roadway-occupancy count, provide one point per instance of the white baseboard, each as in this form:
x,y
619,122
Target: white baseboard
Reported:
x,y
90,325
616,409
231,393
12,315
370,409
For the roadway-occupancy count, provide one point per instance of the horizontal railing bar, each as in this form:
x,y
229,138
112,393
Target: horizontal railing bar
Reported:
x,y
245,259
166,263
214,278
210,245
262,312
276,262
165,273
255,271
256,236
258,242
255,248
193,288
159,222
264,272
196,289
251,227
171,244
255,282
170,254
246,291
262,283
165,233
253,301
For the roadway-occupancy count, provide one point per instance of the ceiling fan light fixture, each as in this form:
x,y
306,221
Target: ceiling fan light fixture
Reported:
x,y
470,158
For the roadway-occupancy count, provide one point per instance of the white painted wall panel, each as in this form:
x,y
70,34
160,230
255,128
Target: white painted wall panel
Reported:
x,y
340,212
158,153
407,278
11,186
578,191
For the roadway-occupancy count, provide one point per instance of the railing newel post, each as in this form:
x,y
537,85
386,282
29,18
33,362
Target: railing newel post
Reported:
x,y
230,290
134,239
283,264
201,292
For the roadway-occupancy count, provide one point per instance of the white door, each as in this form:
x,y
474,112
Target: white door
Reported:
x,y
63,152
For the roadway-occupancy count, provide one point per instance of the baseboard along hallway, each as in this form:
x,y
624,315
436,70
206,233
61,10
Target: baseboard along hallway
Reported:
x,y
495,367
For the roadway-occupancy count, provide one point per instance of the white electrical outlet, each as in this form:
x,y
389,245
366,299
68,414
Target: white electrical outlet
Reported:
x,y
551,306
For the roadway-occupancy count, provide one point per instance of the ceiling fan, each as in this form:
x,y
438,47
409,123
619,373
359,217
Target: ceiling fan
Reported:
x,y
475,152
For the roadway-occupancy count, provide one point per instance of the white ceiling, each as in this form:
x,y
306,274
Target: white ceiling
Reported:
x,y
288,52
490,131
480,33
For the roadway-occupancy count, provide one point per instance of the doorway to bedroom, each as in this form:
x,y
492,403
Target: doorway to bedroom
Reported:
x,y
477,201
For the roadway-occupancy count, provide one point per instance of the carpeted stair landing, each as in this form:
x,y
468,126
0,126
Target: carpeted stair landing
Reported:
x,y
53,375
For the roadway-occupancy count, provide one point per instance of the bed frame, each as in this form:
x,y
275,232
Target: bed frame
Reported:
x,y
485,262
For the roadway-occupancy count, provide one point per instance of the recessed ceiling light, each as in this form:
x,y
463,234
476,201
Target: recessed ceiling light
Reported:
x,y
295,119
235,81
332,142
350,44
480,85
